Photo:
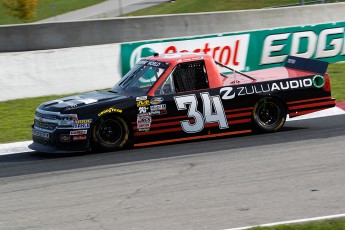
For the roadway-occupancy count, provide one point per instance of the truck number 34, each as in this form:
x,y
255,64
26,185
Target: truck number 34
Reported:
x,y
213,112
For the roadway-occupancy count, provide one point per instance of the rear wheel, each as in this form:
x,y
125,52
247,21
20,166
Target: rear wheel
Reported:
x,y
110,133
269,115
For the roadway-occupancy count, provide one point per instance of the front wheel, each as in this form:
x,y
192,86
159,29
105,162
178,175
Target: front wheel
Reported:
x,y
110,133
269,115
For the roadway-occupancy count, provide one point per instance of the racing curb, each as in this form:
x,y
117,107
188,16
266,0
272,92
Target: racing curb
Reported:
x,y
16,147
22,147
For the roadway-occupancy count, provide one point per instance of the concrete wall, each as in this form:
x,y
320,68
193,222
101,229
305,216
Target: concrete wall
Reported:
x,y
61,71
95,32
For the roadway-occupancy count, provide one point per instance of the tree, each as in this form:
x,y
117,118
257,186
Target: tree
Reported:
x,y
22,9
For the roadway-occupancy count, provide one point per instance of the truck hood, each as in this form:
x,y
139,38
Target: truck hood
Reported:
x,y
75,101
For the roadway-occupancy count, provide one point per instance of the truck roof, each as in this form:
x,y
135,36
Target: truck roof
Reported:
x,y
179,57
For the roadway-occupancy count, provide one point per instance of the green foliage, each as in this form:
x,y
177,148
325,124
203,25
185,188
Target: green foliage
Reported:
x,y
337,76
47,9
22,9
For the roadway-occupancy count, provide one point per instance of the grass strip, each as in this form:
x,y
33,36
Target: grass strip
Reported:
x,y
51,8
17,115
194,6
47,9
332,224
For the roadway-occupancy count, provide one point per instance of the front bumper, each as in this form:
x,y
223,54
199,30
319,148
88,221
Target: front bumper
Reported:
x,y
59,141
53,149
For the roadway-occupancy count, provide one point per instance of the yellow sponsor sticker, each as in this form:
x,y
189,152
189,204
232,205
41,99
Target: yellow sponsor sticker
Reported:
x,y
87,121
143,103
110,110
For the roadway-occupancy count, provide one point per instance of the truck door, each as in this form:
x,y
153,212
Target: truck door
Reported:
x,y
189,107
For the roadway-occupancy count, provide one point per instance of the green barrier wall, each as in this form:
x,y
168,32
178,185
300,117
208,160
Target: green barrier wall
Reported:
x,y
250,50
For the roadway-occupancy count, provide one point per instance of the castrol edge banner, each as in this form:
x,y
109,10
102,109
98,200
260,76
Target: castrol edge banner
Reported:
x,y
229,50
251,50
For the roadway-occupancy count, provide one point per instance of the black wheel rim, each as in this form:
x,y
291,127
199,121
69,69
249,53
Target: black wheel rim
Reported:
x,y
268,113
110,132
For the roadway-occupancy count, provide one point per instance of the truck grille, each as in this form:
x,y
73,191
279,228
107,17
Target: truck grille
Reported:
x,y
48,116
45,125
46,120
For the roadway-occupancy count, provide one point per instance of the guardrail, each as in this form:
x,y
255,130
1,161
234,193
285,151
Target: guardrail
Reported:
x,y
108,31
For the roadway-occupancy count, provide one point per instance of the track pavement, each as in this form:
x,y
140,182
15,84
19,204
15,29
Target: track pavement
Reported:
x,y
214,184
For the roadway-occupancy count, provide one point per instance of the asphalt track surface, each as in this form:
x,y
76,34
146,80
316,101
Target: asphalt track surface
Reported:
x,y
214,184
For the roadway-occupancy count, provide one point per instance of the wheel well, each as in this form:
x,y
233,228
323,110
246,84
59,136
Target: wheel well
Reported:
x,y
268,121
116,115
277,98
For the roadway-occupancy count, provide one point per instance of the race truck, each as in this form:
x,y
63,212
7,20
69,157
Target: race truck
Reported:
x,y
181,97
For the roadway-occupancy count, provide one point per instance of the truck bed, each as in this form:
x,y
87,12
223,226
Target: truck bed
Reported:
x,y
265,75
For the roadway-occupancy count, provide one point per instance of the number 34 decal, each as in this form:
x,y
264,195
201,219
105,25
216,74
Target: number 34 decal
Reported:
x,y
213,112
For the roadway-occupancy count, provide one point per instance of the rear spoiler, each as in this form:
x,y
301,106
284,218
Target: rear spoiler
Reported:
x,y
310,65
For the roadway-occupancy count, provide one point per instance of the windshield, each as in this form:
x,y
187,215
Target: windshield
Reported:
x,y
139,79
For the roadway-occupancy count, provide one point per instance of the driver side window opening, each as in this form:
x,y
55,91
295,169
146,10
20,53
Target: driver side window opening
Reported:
x,y
190,76
186,77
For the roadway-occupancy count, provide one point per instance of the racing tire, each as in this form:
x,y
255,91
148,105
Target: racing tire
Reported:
x,y
269,115
110,133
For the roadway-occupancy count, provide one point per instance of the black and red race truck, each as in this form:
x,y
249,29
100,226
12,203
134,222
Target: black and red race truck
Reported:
x,y
178,97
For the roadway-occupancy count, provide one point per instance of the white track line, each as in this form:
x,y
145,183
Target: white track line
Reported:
x,y
13,148
292,221
323,113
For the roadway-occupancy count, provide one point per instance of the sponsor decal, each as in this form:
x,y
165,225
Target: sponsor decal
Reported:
x,y
79,138
78,132
153,63
230,49
143,103
87,121
144,122
65,138
158,109
156,100
143,110
228,93
41,134
142,126
268,48
110,110
144,119
159,112
318,81
142,98
144,130
325,43
82,124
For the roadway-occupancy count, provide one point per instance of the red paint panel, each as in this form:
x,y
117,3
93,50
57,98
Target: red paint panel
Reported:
x,y
192,138
310,105
309,100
